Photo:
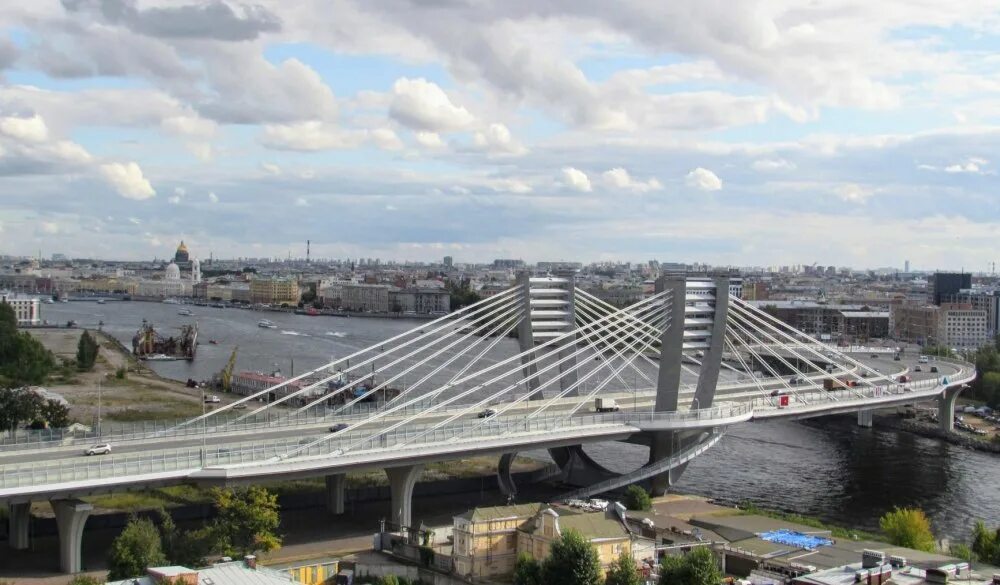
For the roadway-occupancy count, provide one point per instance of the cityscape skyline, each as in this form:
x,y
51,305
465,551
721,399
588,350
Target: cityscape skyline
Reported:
x,y
551,131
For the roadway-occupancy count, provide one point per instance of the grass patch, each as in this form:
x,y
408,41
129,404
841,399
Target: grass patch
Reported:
x,y
168,497
173,411
751,509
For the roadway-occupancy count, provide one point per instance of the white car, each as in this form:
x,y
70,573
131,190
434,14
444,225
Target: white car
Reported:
x,y
102,449
213,399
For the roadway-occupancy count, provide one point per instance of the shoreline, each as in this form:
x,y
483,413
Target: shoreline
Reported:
x,y
932,431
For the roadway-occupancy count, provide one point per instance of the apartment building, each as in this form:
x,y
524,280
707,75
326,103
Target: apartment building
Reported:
x,y
26,309
274,291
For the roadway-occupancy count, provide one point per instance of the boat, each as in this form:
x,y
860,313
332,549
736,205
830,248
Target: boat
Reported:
x,y
185,312
48,301
100,301
64,300
266,324
159,357
171,301
312,312
213,342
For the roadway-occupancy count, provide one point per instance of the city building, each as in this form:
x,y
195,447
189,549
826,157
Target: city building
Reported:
x,y
182,256
958,325
449,262
274,291
372,298
830,322
942,285
227,573
985,300
26,309
417,300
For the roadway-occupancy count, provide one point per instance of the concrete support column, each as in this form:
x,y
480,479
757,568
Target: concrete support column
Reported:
x,y
504,477
946,408
711,363
71,516
568,346
525,336
19,520
336,485
401,483
865,418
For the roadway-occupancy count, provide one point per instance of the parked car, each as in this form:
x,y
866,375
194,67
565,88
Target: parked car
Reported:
x,y
934,369
487,413
338,427
102,449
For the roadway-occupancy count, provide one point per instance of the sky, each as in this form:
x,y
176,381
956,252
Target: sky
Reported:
x,y
770,132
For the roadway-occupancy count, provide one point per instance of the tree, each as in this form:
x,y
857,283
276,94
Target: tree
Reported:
x,y
86,352
55,413
986,543
637,498
572,561
188,548
989,388
527,571
248,520
18,406
623,571
137,548
698,567
908,527
85,580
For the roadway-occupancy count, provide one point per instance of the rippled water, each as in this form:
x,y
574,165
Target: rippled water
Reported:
x,y
828,468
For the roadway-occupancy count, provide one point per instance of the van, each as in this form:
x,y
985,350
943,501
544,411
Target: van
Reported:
x,y
923,359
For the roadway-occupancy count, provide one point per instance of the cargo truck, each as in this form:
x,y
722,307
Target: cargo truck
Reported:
x,y
606,405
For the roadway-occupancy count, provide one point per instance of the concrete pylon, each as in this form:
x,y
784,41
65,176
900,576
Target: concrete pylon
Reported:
x,y
525,336
71,517
668,381
336,485
19,519
505,479
711,363
402,480
865,418
946,407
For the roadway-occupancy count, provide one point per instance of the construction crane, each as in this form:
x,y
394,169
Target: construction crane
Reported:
x,y
226,376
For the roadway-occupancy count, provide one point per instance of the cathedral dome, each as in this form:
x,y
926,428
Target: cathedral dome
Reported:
x,y
173,272
182,254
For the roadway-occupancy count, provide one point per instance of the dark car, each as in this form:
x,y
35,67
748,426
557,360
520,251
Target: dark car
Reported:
x,y
487,413
934,369
338,427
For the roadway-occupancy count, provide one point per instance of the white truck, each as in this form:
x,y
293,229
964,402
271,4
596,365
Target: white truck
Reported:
x,y
606,405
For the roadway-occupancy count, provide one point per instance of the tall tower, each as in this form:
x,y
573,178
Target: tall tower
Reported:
x,y
308,244
195,271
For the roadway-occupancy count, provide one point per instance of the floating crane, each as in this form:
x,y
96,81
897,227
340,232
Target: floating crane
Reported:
x,y
226,376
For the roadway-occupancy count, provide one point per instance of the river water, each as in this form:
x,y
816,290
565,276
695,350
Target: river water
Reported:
x,y
829,468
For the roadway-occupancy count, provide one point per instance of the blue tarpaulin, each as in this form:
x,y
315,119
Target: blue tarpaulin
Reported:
x,y
797,539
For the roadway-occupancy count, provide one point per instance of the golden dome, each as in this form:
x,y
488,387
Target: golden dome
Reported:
x,y
182,247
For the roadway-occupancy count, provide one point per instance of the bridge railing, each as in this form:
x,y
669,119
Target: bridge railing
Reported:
x,y
410,436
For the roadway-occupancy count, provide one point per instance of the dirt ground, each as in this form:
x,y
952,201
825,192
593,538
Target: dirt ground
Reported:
x,y
140,395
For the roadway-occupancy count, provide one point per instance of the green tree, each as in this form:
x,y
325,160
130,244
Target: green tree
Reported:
x,y
137,548
989,387
248,520
56,414
986,543
388,580
86,352
623,571
527,571
908,527
637,498
572,561
18,406
84,580
187,548
698,567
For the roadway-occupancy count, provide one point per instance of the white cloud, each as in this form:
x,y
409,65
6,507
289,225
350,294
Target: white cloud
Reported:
x,y
854,193
972,165
270,168
49,227
386,139
190,126
620,178
301,202
212,197
576,179
135,221
496,140
31,129
308,136
772,164
510,185
423,105
703,180
178,195
429,139
128,180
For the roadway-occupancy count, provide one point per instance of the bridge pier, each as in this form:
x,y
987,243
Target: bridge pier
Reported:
x,y
505,480
71,516
865,418
19,519
336,485
946,408
401,483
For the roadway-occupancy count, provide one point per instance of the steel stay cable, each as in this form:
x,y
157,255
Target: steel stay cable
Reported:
x,y
600,353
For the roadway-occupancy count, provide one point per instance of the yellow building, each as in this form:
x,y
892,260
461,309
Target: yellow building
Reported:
x,y
605,530
485,539
274,291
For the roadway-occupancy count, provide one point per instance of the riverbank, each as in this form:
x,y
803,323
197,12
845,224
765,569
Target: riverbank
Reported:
x,y
933,431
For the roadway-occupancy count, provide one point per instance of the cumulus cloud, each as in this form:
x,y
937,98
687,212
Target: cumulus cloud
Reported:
x,y
511,185
270,168
497,140
576,179
429,139
49,227
128,180
386,139
308,136
619,178
772,164
703,180
30,129
301,202
178,195
212,197
854,193
972,165
423,105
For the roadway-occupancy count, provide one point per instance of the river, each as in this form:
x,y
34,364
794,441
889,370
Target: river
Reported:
x,y
829,468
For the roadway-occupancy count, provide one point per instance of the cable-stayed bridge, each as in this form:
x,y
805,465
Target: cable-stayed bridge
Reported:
x,y
522,370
